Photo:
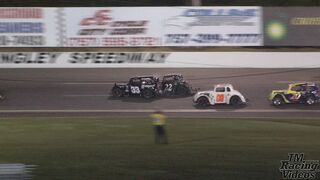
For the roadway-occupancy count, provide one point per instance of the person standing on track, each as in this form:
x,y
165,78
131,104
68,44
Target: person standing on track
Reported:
x,y
159,123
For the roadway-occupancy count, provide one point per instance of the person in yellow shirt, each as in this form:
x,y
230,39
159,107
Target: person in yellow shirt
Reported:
x,y
159,123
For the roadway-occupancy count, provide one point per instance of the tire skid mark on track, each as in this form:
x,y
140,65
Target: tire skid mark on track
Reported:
x,y
88,83
297,81
86,95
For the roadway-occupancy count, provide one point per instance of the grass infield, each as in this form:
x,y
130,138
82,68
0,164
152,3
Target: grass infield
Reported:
x,y
122,148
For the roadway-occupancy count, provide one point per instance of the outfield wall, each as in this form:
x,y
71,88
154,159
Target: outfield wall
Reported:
x,y
159,60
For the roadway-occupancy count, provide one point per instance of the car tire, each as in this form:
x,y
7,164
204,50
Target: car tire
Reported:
x,y
203,102
2,97
277,101
147,94
117,92
235,101
310,100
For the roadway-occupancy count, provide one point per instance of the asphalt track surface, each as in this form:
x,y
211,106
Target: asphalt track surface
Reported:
x,y
86,92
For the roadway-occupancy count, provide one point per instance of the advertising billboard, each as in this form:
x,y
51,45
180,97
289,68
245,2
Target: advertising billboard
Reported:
x,y
291,26
213,26
113,27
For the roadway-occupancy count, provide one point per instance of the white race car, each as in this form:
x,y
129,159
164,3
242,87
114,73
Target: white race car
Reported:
x,y
221,94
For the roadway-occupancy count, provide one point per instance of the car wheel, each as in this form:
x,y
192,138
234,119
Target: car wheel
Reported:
x,y
2,97
117,92
277,101
147,93
235,101
203,102
310,100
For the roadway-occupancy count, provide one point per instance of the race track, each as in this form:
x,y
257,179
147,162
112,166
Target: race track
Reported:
x,y
85,92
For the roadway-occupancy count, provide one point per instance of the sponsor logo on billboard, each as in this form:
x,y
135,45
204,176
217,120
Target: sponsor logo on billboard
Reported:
x,y
305,21
21,27
101,17
102,24
213,17
20,13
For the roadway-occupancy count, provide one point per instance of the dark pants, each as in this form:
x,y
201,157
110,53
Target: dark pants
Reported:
x,y
160,135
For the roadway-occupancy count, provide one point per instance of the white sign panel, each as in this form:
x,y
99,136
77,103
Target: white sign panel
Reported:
x,y
212,26
25,27
113,27
159,60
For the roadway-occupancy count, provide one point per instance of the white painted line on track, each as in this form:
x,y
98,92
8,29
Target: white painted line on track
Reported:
x,y
165,110
290,82
86,95
88,83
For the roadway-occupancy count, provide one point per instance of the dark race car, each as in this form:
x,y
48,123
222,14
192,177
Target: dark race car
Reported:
x,y
175,85
305,93
151,86
145,86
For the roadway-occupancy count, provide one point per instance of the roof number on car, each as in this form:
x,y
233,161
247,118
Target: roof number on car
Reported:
x,y
168,87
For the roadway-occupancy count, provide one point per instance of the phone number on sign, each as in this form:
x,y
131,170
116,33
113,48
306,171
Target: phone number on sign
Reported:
x,y
114,41
212,38
22,40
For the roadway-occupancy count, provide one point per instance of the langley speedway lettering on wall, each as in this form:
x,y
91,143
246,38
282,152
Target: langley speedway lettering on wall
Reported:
x,y
29,58
159,60
59,59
